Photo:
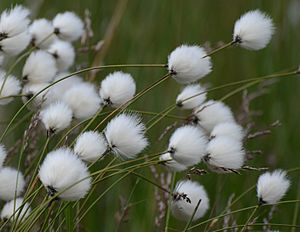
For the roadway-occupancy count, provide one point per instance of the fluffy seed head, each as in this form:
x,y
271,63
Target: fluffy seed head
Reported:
x,y
213,113
228,129
39,67
225,152
188,92
14,21
90,146
187,145
41,31
186,64
83,100
272,186
13,46
253,30
14,210
11,87
3,155
11,182
172,164
117,88
56,117
64,54
186,197
125,135
64,173
68,26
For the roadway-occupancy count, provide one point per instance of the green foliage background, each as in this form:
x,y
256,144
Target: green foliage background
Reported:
x,y
149,30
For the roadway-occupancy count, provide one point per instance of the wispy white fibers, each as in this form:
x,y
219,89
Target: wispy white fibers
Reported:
x,y
186,64
212,113
90,146
228,129
125,135
117,88
83,100
39,67
12,183
225,152
3,155
14,21
15,209
64,54
172,164
29,90
197,96
56,117
63,173
187,194
187,145
68,26
11,87
253,30
12,46
272,186
42,33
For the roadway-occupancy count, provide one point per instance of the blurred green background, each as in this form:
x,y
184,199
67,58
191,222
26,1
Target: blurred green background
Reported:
x,y
147,33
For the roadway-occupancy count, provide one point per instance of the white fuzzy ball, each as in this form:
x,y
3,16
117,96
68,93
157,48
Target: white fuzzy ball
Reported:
x,y
13,46
12,86
197,96
253,30
12,183
14,21
83,100
187,145
40,67
172,164
228,129
212,113
41,31
90,146
56,117
225,152
64,54
68,26
64,173
183,209
15,209
3,155
272,186
186,64
126,135
117,88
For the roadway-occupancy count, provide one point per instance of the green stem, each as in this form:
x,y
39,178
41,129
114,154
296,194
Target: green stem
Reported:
x,y
169,202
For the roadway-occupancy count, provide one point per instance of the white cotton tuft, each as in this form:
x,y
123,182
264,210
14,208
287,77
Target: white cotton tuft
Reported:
x,y
68,26
56,117
197,96
90,146
14,21
15,209
39,67
29,90
117,89
212,113
225,153
172,164
12,86
41,31
14,45
64,54
253,30
272,186
83,100
3,155
125,135
228,129
187,145
12,183
63,173
187,194
186,64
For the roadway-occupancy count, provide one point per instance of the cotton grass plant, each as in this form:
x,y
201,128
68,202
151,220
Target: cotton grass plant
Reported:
x,y
83,133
